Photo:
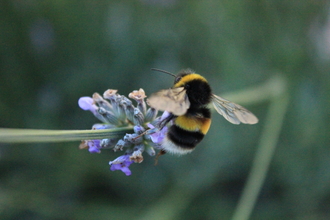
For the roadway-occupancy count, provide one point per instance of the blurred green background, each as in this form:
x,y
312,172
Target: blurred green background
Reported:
x,y
53,52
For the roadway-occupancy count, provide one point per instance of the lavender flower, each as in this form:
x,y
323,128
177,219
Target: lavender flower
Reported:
x,y
87,103
115,110
139,96
158,136
121,163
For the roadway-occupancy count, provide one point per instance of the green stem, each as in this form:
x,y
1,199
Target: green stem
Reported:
x,y
8,135
263,157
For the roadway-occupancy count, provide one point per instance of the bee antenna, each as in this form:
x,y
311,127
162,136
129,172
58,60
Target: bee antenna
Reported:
x,y
163,71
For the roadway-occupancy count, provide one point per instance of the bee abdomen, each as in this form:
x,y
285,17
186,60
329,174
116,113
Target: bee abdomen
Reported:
x,y
183,138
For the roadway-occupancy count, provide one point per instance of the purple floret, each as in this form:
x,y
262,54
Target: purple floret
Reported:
x,y
122,163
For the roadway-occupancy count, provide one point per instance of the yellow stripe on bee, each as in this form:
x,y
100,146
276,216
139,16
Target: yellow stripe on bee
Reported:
x,y
188,78
193,123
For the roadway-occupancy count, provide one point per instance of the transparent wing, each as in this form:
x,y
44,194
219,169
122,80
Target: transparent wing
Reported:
x,y
234,113
172,100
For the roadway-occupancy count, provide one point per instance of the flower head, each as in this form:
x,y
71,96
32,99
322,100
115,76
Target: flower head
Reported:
x,y
116,110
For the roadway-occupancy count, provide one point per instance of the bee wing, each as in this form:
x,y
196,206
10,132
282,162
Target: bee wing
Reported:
x,y
234,113
172,100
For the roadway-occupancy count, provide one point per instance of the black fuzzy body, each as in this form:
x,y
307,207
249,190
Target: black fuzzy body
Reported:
x,y
199,94
187,140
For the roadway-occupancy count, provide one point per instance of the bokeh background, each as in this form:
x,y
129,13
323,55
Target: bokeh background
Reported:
x,y
53,52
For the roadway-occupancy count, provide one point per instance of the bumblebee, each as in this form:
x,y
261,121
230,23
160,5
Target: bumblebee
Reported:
x,y
189,116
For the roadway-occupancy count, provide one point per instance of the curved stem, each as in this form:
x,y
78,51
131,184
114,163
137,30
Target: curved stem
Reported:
x,y
263,157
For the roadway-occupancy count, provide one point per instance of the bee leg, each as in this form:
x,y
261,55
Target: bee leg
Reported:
x,y
149,131
160,153
166,120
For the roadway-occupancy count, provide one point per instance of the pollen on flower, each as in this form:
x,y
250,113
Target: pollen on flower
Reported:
x,y
116,110
83,144
137,95
110,93
97,97
137,154
137,158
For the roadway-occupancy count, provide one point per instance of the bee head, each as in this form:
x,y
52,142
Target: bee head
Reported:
x,y
182,74
196,86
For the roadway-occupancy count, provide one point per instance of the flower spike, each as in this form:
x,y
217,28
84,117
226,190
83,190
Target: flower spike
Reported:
x,y
116,110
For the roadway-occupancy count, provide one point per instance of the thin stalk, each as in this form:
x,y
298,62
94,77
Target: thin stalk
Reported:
x,y
263,157
9,135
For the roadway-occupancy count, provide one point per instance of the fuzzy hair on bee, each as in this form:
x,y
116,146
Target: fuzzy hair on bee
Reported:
x,y
189,116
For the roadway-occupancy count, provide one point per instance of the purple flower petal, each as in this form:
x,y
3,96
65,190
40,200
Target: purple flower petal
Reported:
x,y
150,126
138,129
87,103
94,150
164,115
121,167
158,136
127,171
121,163
94,146
101,126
